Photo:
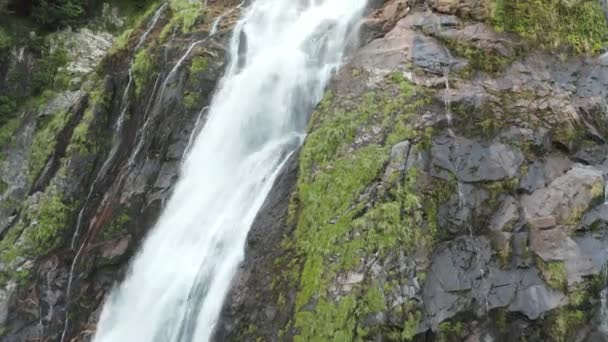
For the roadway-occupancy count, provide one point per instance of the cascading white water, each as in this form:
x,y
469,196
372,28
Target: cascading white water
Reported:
x,y
177,283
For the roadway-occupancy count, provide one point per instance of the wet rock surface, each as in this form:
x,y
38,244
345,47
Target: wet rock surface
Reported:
x,y
81,184
510,146
475,208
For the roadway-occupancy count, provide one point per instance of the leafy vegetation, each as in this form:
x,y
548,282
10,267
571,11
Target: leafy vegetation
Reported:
x,y
450,331
58,12
52,14
553,23
46,70
5,39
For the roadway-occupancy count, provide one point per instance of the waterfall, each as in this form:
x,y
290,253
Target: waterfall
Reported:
x,y
176,284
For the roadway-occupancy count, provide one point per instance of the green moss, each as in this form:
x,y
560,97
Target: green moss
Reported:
x,y
489,62
50,221
501,320
143,65
597,190
38,233
335,227
190,100
116,228
498,188
554,273
483,121
373,300
121,42
565,324
198,65
553,23
329,322
81,141
45,139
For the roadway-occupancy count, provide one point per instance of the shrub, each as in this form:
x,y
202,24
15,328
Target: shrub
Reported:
x,y
57,12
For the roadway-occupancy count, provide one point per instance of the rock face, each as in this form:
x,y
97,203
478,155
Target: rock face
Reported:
x,y
451,186
462,201
80,183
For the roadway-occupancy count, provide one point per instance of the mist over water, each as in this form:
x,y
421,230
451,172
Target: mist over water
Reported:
x,y
178,281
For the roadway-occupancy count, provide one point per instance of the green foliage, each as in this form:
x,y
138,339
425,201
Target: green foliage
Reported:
x,y
43,75
8,109
143,65
44,142
185,15
7,130
58,12
552,23
137,16
121,42
411,326
5,39
134,13
450,332
3,187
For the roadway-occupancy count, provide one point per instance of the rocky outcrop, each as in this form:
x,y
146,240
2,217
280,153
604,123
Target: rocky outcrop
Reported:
x,y
451,188
88,170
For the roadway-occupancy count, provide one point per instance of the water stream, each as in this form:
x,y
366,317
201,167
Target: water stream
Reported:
x,y
177,282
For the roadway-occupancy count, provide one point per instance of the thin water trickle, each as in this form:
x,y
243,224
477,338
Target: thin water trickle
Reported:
x,y
108,161
216,22
176,285
194,133
457,166
118,125
603,312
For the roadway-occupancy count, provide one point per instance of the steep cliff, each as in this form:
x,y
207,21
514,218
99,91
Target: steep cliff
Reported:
x,y
451,186
88,162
